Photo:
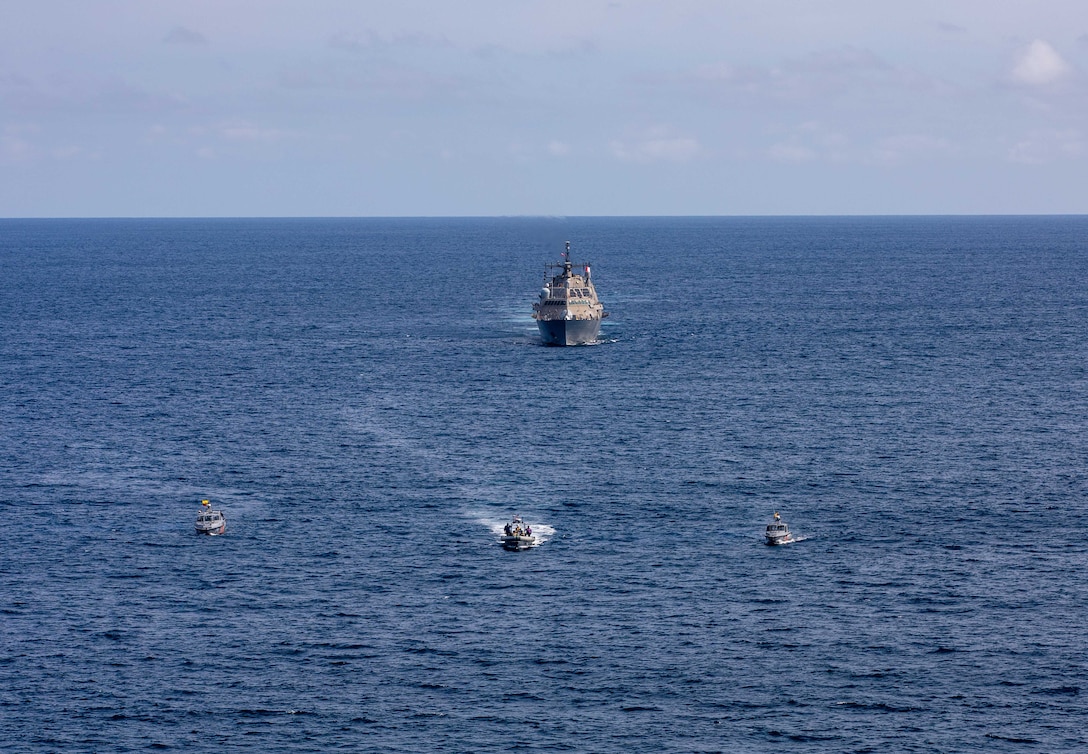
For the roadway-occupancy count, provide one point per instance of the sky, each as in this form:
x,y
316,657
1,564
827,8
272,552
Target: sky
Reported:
x,y
266,108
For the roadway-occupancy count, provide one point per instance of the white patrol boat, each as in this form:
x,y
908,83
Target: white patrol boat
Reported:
x,y
517,535
209,521
778,532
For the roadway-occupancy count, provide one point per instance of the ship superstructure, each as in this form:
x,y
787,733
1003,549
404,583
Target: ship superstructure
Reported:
x,y
568,312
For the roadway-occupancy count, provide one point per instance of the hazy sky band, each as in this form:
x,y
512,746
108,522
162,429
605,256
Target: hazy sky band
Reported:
x,y
133,108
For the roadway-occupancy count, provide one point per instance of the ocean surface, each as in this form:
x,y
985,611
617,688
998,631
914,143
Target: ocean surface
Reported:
x,y
367,401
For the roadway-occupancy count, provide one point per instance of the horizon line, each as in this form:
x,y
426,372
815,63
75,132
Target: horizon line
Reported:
x,y
548,216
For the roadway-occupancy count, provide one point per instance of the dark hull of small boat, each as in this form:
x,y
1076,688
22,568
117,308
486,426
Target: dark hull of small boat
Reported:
x,y
516,544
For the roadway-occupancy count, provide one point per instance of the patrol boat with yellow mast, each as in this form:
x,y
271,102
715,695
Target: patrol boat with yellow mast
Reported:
x,y
568,312
209,521
778,531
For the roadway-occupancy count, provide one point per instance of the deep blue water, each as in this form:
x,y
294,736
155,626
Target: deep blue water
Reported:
x,y
367,402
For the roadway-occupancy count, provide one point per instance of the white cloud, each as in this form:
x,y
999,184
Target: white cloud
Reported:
x,y
246,132
25,143
656,147
842,75
815,142
1039,64
903,148
1042,147
72,152
558,148
791,153
810,141
14,148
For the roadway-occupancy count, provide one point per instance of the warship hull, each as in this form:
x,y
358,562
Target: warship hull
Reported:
x,y
568,332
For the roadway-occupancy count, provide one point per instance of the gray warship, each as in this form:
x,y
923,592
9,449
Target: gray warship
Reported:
x,y
569,312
